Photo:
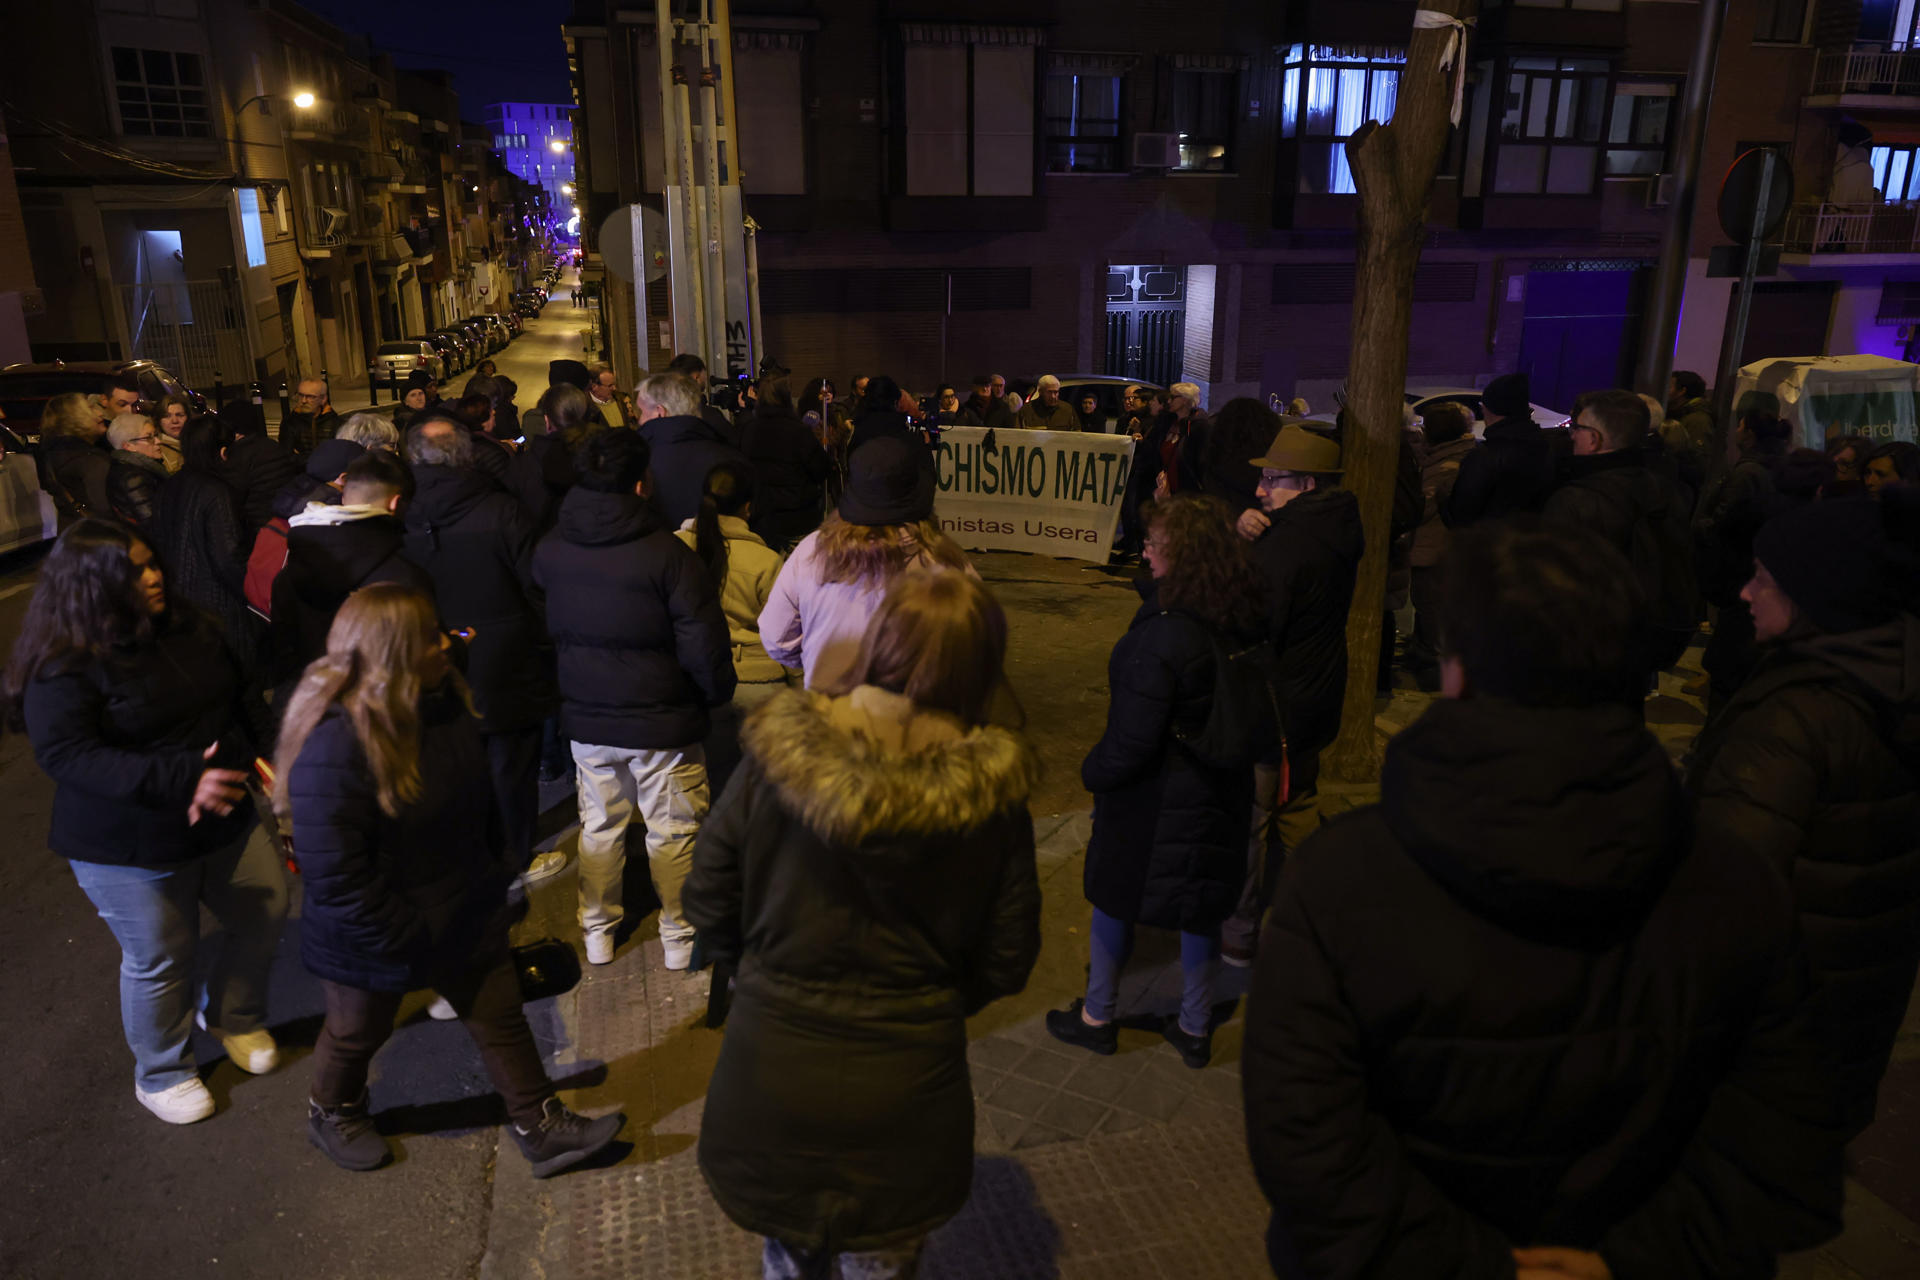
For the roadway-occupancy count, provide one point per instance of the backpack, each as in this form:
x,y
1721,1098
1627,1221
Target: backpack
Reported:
x,y
1244,724
268,558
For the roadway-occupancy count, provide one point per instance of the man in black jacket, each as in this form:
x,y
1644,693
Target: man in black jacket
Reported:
x,y
1611,488
694,370
1513,1016
256,465
312,420
981,409
684,445
334,549
1514,472
476,542
644,652
1309,556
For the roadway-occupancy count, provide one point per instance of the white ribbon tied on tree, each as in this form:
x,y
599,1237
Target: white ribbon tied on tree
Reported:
x,y
1454,56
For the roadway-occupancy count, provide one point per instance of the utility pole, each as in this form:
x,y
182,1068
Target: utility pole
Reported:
x,y
1662,325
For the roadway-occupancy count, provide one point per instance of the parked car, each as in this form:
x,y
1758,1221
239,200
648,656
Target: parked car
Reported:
x,y
469,349
499,327
1420,397
393,361
26,388
447,349
481,336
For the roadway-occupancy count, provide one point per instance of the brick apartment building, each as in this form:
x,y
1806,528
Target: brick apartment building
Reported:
x,y
1067,186
182,206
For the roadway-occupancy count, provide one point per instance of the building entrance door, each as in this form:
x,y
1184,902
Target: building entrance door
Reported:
x,y
1146,322
1579,332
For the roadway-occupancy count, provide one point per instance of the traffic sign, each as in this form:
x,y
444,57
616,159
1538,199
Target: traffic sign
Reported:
x,y
1744,206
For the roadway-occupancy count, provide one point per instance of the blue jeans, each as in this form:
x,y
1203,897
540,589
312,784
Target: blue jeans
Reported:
x,y
1199,962
154,913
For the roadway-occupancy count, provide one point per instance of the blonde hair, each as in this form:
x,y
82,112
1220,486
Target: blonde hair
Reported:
x,y
941,640
72,414
371,671
856,552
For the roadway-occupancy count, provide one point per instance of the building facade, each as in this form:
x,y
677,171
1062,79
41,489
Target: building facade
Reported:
x,y
535,142
1071,186
237,189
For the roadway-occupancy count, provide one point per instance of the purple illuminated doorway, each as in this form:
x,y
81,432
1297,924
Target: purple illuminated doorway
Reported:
x,y
1580,330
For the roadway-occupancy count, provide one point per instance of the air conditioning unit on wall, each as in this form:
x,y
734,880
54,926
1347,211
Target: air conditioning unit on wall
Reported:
x,y
1156,151
1660,190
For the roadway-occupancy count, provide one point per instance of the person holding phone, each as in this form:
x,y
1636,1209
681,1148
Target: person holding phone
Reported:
x,y
137,710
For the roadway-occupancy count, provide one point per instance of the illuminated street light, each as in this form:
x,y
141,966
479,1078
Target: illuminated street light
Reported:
x,y
576,209
566,188
303,100
557,146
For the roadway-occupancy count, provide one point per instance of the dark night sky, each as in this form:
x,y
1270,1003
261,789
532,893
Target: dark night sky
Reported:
x,y
498,50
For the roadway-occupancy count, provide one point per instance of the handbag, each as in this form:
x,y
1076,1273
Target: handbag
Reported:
x,y
1244,724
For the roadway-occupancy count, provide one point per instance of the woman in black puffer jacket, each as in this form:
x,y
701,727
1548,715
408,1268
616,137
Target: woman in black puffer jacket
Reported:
x,y
136,710
1169,845
1815,762
384,780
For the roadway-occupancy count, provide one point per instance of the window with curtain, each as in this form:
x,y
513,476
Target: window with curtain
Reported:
x,y
969,117
1550,126
1327,93
1082,118
1896,172
1643,116
1203,110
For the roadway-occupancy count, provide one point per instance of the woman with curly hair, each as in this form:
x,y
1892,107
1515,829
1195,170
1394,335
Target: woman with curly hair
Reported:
x,y
830,586
1169,845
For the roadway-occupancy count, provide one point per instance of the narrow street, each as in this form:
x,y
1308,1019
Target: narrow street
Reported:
x,y
1111,1167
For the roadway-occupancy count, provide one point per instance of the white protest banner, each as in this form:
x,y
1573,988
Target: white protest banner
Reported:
x,y
1055,493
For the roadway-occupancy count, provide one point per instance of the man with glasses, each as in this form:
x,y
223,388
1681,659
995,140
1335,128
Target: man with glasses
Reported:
x,y
1309,556
312,419
136,471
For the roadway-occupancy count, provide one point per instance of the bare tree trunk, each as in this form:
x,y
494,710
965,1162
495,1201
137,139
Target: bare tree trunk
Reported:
x,y
1393,170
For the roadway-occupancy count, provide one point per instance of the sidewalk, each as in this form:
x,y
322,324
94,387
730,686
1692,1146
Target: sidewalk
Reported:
x,y
1121,1167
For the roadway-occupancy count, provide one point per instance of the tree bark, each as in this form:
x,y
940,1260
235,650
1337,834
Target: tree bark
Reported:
x,y
1393,170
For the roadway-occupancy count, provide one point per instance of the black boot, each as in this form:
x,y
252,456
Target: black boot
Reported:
x,y
1195,1051
347,1135
563,1138
1067,1025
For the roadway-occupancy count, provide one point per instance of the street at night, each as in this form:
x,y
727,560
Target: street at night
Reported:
x,y
989,641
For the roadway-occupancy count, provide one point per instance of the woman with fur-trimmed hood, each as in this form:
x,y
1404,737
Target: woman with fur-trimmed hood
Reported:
x,y
870,869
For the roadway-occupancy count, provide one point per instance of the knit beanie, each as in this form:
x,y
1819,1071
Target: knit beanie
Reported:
x,y
1846,563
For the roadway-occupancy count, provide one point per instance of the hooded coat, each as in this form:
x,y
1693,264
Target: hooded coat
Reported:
x,y
1310,557
1169,843
395,903
870,869
1815,763
258,467
476,543
1515,1004
197,533
642,642
1513,472
684,450
332,551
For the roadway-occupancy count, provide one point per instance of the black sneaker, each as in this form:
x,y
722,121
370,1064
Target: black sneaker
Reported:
x,y
1067,1025
564,1138
347,1136
1195,1051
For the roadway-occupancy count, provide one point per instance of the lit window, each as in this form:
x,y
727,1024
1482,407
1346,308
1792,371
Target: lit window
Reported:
x,y
1329,92
1896,173
1204,104
250,226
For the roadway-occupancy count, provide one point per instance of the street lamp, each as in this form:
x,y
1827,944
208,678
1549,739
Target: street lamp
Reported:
x,y
303,100
566,188
557,146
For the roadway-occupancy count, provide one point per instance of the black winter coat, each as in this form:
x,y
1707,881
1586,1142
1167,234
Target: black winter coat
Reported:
x,y
133,485
1815,763
77,470
258,467
1309,558
789,479
197,534
300,432
1510,1006
1732,508
476,543
979,411
1643,513
326,563
296,493
543,470
643,645
684,450
1169,844
873,876
1512,472
123,741
394,904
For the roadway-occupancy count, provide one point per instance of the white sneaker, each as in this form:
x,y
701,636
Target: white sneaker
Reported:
x,y
679,953
600,947
442,1011
544,866
185,1103
254,1052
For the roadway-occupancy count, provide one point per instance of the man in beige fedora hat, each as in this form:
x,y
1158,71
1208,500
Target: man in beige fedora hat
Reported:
x,y
1309,555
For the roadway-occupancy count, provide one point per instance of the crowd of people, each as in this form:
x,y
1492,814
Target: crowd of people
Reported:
x,y
1551,1008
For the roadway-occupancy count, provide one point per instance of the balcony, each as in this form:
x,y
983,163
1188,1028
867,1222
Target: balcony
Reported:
x,y
1863,234
328,228
326,122
1866,76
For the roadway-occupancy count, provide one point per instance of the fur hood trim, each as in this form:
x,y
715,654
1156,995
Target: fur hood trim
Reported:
x,y
847,785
